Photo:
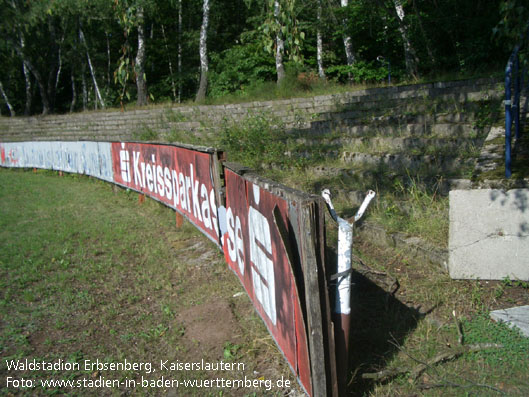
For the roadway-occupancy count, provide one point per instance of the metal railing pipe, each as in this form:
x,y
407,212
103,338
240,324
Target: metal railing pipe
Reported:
x,y
512,103
508,115
516,104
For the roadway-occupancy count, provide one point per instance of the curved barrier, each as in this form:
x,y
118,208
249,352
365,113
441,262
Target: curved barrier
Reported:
x,y
272,236
179,176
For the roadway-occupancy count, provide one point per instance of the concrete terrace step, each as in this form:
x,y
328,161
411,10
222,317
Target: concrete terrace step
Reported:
x,y
423,113
416,163
401,163
389,145
327,112
453,170
440,130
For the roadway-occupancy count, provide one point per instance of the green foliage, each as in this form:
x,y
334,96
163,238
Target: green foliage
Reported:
x,y
230,350
283,22
513,28
413,208
122,75
487,113
507,282
514,21
237,68
146,133
449,37
360,72
174,116
255,141
127,15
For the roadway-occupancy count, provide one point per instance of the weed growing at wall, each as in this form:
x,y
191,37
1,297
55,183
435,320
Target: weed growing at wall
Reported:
x,y
174,116
414,209
145,133
258,141
180,136
487,114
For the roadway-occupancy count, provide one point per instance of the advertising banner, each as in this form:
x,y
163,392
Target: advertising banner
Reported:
x,y
254,250
88,158
181,178
270,240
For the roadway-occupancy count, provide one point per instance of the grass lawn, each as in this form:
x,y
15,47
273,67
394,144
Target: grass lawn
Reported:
x,y
88,275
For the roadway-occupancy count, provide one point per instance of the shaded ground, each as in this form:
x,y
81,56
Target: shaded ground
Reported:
x,y
405,317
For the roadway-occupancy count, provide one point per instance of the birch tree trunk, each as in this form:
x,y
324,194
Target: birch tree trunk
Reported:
x,y
410,56
92,71
173,85
179,51
347,41
74,93
83,87
203,50
27,73
108,59
29,91
319,44
280,45
59,55
140,61
38,78
27,80
6,99
58,77
54,59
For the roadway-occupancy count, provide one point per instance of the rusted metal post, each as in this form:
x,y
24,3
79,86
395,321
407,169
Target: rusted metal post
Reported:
x,y
141,198
179,219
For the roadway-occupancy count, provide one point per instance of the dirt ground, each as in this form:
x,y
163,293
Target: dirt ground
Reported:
x,y
89,273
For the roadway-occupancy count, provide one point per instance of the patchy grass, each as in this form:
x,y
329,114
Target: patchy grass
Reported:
x,y
292,87
257,141
403,204
399,331
416,210
87,273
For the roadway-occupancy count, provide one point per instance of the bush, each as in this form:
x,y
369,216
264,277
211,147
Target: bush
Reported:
x,y
254,141
360,71
238,67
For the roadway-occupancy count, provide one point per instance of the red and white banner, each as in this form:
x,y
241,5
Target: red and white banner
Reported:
x,y
253,249
246,228
178,177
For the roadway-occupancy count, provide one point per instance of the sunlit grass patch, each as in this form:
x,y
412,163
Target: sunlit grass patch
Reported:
x,y
87,273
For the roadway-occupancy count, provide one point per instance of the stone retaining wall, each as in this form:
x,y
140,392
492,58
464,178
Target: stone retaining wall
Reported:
x,y
297,113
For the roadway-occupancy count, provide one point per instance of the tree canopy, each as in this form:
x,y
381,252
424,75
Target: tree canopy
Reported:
x,y
68,55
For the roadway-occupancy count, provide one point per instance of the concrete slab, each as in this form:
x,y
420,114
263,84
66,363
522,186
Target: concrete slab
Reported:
x,y
489,234
514,317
